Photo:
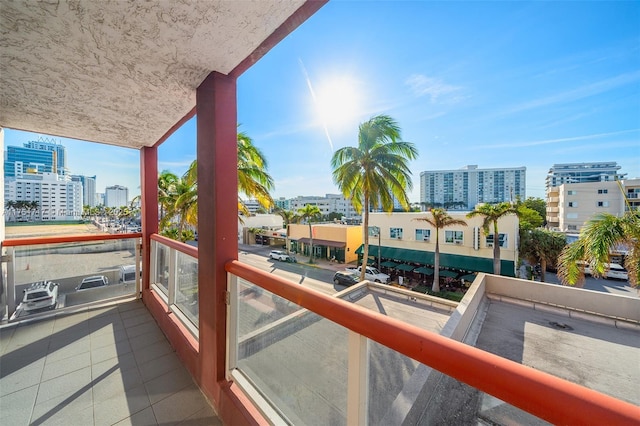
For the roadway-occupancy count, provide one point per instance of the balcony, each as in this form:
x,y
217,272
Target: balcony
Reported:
x,y
370,354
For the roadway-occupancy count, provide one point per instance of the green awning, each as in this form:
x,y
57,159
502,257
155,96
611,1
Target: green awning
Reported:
x,y
389,264
424,270
405,267
446,273
447,260
468,277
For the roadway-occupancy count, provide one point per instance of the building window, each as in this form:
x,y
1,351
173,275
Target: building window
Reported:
x,y
501,237
572,227
453,237
571,192
603,191
423,235
573,204
603,204
395,233
572,215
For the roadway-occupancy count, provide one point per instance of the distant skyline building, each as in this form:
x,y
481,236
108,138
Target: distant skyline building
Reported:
x,y
603,171
42,156
463,189
330,203
88,189
116,196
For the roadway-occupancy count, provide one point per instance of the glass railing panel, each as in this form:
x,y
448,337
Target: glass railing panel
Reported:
x,y
295,359
186,296
54,276
162,267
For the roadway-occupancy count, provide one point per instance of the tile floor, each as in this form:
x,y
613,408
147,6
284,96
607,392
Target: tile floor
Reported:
x,y
104,366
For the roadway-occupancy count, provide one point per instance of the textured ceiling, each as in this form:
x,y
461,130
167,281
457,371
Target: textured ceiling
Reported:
x,y
120,72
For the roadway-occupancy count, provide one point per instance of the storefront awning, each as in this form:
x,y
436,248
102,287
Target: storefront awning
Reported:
x,y
424,270
447,260
405,267
445,273
389,264
328,243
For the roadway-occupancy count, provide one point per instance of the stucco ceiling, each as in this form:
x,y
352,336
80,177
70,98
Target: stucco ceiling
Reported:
x,y
121,72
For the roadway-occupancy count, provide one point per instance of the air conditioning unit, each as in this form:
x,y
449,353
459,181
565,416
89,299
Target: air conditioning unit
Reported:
x,y
425,239
399,237
458,242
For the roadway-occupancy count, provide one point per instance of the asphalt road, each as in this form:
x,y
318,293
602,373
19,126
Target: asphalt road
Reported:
x,y
313,277
611,286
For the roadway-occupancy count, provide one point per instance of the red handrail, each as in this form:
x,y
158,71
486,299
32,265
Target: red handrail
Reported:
x,y
31,241
176,245
541,394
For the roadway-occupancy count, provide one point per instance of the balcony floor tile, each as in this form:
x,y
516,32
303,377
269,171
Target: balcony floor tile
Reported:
x,y
101,366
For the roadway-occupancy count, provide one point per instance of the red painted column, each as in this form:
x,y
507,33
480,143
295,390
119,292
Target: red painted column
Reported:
x,y
149,206
217,218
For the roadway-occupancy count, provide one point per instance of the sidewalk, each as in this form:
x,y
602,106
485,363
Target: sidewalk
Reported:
x,y
317,263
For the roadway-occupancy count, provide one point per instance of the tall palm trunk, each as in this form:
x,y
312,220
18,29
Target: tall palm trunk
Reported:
x,y
435,287
365,250
310,243
496,249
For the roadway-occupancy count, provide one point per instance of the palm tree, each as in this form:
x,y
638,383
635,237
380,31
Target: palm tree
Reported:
x,y
439,219
598,237
253,179
288,217
178,196
181,201
375,172
542,246
491,213
166,182
309,212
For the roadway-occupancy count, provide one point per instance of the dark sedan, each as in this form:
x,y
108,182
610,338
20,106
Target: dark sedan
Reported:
x,y
346,278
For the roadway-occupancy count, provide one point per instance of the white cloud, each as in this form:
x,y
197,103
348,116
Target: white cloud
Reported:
x,y
436,89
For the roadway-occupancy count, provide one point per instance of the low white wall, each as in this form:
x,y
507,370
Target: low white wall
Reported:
x,y
572,298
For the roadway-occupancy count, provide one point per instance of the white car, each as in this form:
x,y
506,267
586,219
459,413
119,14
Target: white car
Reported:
x,y
93,282
278,255
40,295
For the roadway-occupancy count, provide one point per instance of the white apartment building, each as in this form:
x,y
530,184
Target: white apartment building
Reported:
x,y
570,205
58,197
603,171
116,196
330,203
88,189
463,189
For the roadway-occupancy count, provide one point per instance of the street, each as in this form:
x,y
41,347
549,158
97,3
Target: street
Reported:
x,y
314,277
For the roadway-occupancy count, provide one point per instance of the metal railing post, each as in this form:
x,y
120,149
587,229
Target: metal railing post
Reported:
x,y
357,379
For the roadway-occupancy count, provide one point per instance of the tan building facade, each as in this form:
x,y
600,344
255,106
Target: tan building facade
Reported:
x,y
330,240
405,238
571,205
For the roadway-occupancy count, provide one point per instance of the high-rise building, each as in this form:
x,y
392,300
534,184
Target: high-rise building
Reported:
x,y
603,171
88,189
116,196
42,156
463,189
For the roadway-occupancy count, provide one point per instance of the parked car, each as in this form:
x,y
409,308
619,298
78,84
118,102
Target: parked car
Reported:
x,y
612,270
127,273
40,295
371,274
279,255
93,282
346,278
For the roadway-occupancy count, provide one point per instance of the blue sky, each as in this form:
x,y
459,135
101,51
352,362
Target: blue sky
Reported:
x,y
496,84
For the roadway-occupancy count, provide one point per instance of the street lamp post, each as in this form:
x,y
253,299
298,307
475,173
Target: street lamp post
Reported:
x,y
373,231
